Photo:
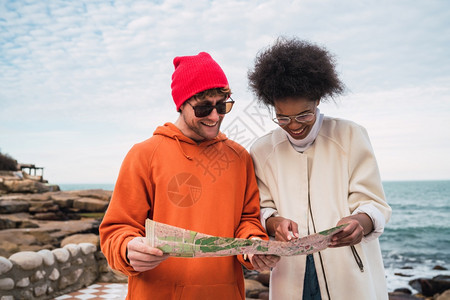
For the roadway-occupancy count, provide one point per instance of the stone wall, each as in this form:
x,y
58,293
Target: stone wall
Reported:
x,y
46,274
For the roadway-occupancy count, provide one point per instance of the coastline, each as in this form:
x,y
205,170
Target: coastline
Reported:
x,y
399,278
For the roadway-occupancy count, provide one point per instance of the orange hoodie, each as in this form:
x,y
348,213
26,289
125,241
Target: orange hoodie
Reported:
x,y
208,187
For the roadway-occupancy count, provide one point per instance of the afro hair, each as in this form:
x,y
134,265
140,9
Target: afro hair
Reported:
x,y
293,68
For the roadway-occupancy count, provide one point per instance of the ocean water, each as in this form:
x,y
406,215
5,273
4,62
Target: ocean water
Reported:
x,y
417,237
85,186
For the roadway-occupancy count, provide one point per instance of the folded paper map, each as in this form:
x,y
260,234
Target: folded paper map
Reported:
x,y
187,243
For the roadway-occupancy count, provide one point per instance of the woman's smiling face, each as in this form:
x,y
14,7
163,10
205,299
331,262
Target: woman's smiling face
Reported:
x,y
292,107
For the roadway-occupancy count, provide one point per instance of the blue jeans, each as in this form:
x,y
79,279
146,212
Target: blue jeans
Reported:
x,y
311,289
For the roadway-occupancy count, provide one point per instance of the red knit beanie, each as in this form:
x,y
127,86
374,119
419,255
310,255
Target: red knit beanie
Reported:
x,y
195,74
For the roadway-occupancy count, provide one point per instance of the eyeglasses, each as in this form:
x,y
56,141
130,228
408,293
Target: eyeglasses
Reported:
x,y
222,108
301,118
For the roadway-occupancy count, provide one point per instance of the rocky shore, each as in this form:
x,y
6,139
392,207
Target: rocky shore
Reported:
x,y
37,216
49,220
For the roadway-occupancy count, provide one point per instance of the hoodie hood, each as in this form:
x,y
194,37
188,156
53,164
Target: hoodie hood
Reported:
x,y
170,131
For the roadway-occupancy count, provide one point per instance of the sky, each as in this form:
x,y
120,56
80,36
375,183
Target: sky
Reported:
x,y
82,81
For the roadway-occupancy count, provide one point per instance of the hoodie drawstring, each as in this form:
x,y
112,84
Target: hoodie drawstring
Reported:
x,y
181,148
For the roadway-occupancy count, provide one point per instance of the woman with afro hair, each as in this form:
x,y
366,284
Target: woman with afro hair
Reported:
x,y
315,172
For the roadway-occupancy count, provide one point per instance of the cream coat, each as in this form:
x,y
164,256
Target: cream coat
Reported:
x,y
340,173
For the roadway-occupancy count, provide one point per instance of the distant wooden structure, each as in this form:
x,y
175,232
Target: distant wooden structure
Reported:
x,y
31,168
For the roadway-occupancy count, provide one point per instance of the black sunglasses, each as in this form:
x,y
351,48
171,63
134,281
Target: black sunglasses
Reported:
x,y
222,108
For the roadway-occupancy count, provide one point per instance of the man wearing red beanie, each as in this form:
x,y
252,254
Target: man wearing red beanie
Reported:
x,y
190,175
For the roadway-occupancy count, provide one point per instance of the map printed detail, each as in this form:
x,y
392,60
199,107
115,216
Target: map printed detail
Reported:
x,y
181,242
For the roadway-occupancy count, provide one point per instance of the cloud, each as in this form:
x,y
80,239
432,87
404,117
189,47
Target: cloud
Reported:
x,y
76,76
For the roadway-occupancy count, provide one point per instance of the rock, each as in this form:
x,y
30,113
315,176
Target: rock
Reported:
x,y
62,255
13,206
8,248
263,296
9,175
445,278
94,193
5,265
42,206
62,229
63,199
106,273
17,220
402,275
73,249
251,274
24,282
112,276
81,238
253,288
90,204
430,287
7,224
40,290
27,260
87,248
70,279
27,224
264,277
14,240
403,291
35,197
402,296
54,275
47,257
444,296
440,268
50,216
27,186
6,284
